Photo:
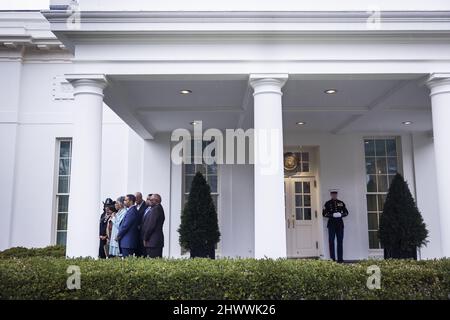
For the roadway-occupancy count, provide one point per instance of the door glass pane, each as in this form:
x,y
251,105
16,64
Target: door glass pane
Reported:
x,y
371,183
369,148
307,201
371,202
307,213
381,165
298,201
298,214
306,187
370,165
373,221
298,187
391,147
380,148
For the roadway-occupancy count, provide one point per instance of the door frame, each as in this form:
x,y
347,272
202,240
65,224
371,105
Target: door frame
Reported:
x,y
312,174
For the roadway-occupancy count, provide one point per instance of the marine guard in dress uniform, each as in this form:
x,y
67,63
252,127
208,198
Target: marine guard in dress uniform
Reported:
x,y
335,210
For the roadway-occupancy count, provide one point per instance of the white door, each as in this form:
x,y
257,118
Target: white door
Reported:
x,y
301,218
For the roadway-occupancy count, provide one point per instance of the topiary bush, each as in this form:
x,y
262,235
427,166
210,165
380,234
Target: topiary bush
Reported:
x,y
22,252
223,279
199,228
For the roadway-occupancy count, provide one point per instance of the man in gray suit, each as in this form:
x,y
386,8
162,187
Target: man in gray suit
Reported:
x,y
152,227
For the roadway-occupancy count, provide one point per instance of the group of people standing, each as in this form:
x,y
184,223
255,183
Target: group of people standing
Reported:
x,y
131,226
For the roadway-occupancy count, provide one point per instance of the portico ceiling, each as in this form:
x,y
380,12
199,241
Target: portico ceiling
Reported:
x,y
151,105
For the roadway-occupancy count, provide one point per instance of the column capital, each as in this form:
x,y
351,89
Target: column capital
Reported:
x,y
87,83
439,83
268,82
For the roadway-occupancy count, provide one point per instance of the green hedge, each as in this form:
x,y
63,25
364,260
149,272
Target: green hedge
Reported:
x,y
45,278
21,252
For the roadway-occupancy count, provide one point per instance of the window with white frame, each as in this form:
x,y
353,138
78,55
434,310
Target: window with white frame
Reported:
x,y
64,155
382,164
209,171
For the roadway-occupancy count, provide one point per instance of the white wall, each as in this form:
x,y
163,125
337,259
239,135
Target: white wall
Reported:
x,y
426,187
9,107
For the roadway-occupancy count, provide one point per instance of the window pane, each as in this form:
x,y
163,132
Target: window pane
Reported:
x,y
62,221
63,184
189,168
307,213
373,221
188,183
306,187
381,166
391,147
64,149
373,240
215,199
61,238
305,167
390,178
212,169
371,183
305,156
212,181
380,148
369,148
298,201
298,187
382,183
371,202
201,168
307,201
298,214
392,165
370,165
63,204
381,201
64,167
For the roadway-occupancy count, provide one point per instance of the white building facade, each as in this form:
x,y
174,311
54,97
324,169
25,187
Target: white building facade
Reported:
x,y
91,95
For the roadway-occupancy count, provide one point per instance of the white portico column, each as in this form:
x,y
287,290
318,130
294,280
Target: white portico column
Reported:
x,y
270,226
439,85
84,199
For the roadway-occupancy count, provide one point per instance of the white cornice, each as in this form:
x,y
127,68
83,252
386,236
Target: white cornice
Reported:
x,y
105,26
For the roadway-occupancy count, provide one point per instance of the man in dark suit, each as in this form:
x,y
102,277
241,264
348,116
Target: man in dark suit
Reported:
x,y
128,236
141,206
152,228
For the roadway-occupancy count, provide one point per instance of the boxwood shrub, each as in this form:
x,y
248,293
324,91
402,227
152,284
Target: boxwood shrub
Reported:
x,y
21,252
187,279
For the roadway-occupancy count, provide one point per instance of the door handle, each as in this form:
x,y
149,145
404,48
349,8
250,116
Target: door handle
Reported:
x,y
293,223
289,223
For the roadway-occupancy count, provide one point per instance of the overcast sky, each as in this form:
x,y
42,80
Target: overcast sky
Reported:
x,y
24,4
